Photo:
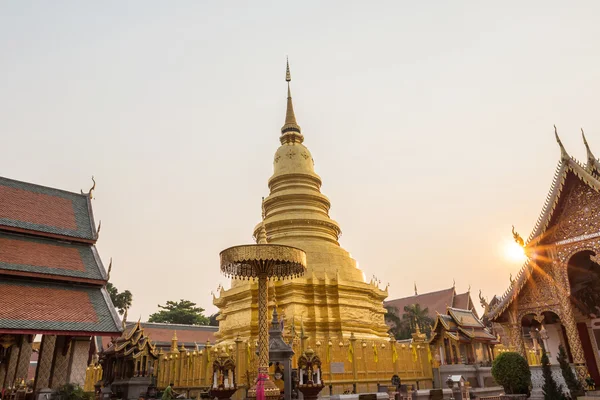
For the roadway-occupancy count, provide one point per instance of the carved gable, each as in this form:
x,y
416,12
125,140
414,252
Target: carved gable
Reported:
x,y
574,215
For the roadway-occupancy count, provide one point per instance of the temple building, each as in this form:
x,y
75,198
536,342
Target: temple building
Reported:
x,y
555,298
459,337
332,299
52,284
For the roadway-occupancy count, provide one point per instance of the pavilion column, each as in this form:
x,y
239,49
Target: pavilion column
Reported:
x,y
60,368
80,352
42,375
516,339
24,358
11,368
568,320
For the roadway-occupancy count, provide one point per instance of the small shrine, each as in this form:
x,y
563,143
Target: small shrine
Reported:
x,y
224,380
280,357
459,337
129,364
310,377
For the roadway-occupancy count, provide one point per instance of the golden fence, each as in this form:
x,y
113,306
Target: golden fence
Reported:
x,y
345,364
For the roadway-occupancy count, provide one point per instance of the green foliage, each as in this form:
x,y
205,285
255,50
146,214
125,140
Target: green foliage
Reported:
x,y
574,385
402,328
73,392
511,371
212,320
552,390
180,312
414,314
121,300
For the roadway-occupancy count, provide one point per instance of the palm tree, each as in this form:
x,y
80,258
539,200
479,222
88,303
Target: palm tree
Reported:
x,y
415,315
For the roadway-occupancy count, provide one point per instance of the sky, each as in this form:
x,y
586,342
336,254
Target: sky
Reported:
x,y
430,123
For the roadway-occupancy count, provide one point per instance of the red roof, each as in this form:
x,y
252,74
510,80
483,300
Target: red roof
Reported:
x,y
436,302
44,307
16,251
36,208
40,210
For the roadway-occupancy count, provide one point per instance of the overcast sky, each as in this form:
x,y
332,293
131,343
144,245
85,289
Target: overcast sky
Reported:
x,y
430,124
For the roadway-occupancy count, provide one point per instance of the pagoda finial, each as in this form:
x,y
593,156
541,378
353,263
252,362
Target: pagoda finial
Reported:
x,y
416,294
563,151
290,129
590,155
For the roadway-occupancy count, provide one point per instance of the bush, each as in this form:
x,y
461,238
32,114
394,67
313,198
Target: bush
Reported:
x,y
551,389
575,387
73,392
511,371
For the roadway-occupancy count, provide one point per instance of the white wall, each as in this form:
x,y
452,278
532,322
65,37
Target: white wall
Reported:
x,y
554,335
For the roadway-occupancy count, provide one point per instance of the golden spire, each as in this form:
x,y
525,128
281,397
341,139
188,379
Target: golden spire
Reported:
x,y
290,125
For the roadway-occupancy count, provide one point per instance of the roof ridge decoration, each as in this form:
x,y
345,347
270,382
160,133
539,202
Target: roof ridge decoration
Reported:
x,y
592,165
565,165
90,192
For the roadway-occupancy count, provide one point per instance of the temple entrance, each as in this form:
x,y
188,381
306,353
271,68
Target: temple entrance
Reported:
x,y
584,280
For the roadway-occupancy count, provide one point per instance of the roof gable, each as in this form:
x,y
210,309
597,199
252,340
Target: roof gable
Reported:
x,y
570,179
45,211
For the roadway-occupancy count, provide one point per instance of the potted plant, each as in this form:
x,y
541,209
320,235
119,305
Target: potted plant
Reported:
x,y
511,371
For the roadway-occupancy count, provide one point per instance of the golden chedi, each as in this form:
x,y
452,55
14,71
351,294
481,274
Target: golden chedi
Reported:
x,y
332,299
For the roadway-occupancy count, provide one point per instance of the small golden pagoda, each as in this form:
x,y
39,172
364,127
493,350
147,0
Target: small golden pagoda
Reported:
x,y
332,300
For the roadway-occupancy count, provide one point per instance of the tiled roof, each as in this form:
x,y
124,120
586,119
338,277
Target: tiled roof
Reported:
x,y
465,318
49,258
27,306
186,334
436,302
44,210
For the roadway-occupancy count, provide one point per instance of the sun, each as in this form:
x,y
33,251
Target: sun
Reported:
x,y
514,252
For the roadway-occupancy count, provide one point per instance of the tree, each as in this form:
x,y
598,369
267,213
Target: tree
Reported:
x,y
121,300
180,312
574,385
511,371
414,314
212,320
552,390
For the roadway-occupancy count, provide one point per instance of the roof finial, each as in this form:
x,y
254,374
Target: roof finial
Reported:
x,y
290,130
590,155
416,294
109,269
563,152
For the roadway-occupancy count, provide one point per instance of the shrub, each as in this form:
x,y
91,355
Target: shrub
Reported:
x,y
552,390
574,385
511,371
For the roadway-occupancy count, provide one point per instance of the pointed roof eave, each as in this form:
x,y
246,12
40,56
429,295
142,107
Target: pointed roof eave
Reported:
x,y
592,165
562,170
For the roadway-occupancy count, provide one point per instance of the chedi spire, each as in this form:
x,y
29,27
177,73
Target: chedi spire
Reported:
x,y
290,131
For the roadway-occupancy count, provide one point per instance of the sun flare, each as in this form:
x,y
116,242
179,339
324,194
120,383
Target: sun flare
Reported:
x,y
514,252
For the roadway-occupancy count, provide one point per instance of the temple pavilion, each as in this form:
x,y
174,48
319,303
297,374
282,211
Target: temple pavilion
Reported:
x,y
332,299
459,337
555,298
52,285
